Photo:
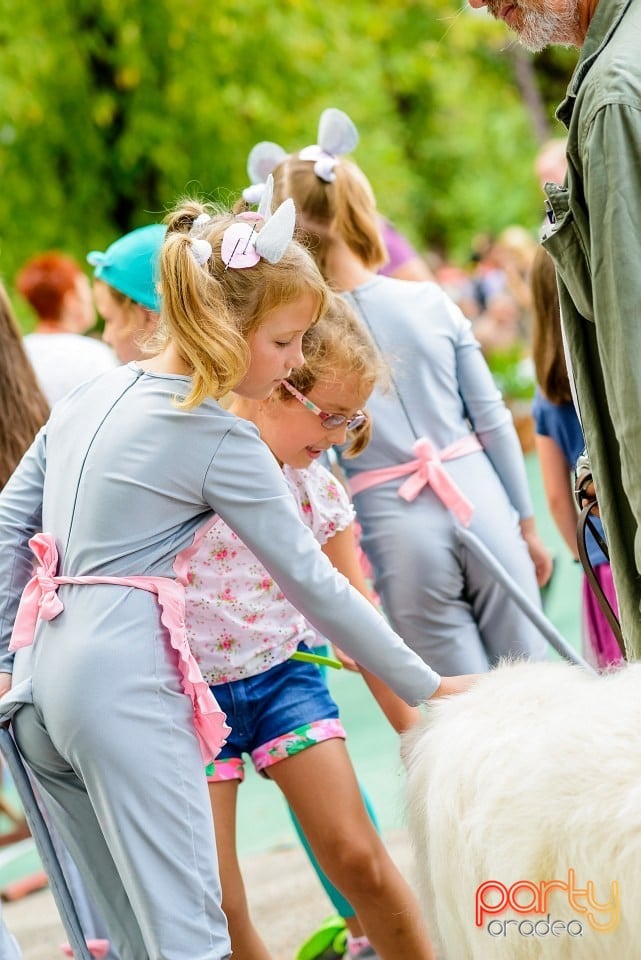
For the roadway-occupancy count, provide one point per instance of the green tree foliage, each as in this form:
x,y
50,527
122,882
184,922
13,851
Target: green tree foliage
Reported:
x,y
111,110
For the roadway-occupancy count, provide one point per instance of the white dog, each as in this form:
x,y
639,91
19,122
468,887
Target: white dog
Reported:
x,y
524,809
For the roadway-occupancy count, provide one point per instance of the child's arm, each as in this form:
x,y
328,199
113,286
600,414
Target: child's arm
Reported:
x,y
20,519
494,427
341,550
245,486
558,489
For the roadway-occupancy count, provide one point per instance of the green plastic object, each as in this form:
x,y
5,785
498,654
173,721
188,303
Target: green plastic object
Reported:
x,y
317,658
329,942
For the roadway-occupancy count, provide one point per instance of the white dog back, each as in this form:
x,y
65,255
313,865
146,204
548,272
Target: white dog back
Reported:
x,y
532,776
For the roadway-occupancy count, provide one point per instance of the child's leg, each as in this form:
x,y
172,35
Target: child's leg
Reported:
x,y
246,943
350,851
340,904
122,764
75,818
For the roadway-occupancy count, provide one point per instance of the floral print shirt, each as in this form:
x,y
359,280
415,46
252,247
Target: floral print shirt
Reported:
x,y
238,621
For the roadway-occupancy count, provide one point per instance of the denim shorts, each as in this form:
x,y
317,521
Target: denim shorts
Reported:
x,y
274,715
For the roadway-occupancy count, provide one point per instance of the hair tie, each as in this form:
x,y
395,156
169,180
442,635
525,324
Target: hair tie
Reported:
x,y
201,250
254,193
200,221
336,135
324,162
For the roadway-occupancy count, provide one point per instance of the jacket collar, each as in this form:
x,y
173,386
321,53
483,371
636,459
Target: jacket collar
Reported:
x,y
605,21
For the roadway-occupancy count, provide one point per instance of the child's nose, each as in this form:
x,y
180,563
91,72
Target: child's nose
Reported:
x,y
296,358
338,434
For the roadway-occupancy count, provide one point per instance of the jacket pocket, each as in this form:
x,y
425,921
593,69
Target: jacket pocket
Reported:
x,y
563,241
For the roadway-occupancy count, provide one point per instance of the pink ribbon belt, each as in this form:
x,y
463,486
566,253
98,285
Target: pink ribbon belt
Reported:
x,y
426,470
40,600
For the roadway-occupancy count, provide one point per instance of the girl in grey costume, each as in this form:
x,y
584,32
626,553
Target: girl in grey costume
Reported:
x,y
122,479
442,601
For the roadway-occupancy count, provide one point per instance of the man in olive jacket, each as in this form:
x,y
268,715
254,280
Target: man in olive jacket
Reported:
x,y
594,236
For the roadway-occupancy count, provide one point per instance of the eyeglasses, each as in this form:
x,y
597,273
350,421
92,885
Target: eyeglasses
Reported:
x,y
331,421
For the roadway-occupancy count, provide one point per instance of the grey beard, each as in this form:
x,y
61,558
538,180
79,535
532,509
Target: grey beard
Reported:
x,y
540,31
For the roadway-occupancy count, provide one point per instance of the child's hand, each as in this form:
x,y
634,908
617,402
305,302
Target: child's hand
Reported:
x,y
5,683
347,662
451,685
539,553
584,489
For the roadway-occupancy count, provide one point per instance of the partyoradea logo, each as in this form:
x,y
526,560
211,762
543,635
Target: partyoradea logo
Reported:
x,y
494,898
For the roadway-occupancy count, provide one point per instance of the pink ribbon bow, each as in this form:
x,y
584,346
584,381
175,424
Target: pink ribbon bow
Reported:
x,y
430,471
40,596
426,469
40,600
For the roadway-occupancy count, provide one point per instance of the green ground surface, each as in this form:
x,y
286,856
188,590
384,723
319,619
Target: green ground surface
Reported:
x,y
263,819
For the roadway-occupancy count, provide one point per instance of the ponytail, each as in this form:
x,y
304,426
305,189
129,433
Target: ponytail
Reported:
x,y
209,310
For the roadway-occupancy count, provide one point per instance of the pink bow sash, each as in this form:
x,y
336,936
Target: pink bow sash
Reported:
x,y
426,469
40,600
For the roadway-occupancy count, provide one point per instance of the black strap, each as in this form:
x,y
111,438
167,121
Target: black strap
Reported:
x,y
586,523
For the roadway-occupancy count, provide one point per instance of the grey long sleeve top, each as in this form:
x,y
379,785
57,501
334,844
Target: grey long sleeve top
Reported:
x,y
122,479
441,384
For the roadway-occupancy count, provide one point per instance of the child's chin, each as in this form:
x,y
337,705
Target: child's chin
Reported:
x,y
300,462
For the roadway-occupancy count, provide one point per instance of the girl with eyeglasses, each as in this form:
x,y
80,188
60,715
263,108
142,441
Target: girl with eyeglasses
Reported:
x,y
108,705
248,638
444,450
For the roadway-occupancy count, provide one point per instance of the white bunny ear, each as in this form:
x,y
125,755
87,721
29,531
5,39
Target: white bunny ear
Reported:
x,y
265,205
336,132
262,159
277,232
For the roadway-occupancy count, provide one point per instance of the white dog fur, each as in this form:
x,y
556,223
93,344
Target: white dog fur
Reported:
x,y
534,772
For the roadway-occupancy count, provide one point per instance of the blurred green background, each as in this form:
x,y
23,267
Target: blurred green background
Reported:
x,y
111,110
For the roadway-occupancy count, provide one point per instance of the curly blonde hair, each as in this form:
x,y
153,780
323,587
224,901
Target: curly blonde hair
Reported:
x,y
339,345
209,311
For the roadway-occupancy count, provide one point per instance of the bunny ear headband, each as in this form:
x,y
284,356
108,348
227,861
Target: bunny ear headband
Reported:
x,y
262,159
336,135
242,244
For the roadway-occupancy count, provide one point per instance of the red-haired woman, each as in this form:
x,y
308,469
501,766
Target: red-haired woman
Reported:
x,y
59,293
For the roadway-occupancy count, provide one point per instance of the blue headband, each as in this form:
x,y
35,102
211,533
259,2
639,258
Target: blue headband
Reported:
x,y
130,264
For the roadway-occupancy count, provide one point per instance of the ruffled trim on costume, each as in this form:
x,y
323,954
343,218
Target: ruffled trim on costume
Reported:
x,y
184,558
40,600
209,719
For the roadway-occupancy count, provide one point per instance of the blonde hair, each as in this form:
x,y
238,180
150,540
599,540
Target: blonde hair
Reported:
x,y
209,311
339,345
547,340
346,208
24,408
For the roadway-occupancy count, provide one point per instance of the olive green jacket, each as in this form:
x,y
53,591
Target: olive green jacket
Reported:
x,y
595,239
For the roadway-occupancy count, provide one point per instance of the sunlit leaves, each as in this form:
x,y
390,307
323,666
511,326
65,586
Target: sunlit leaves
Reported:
x,y
110,110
